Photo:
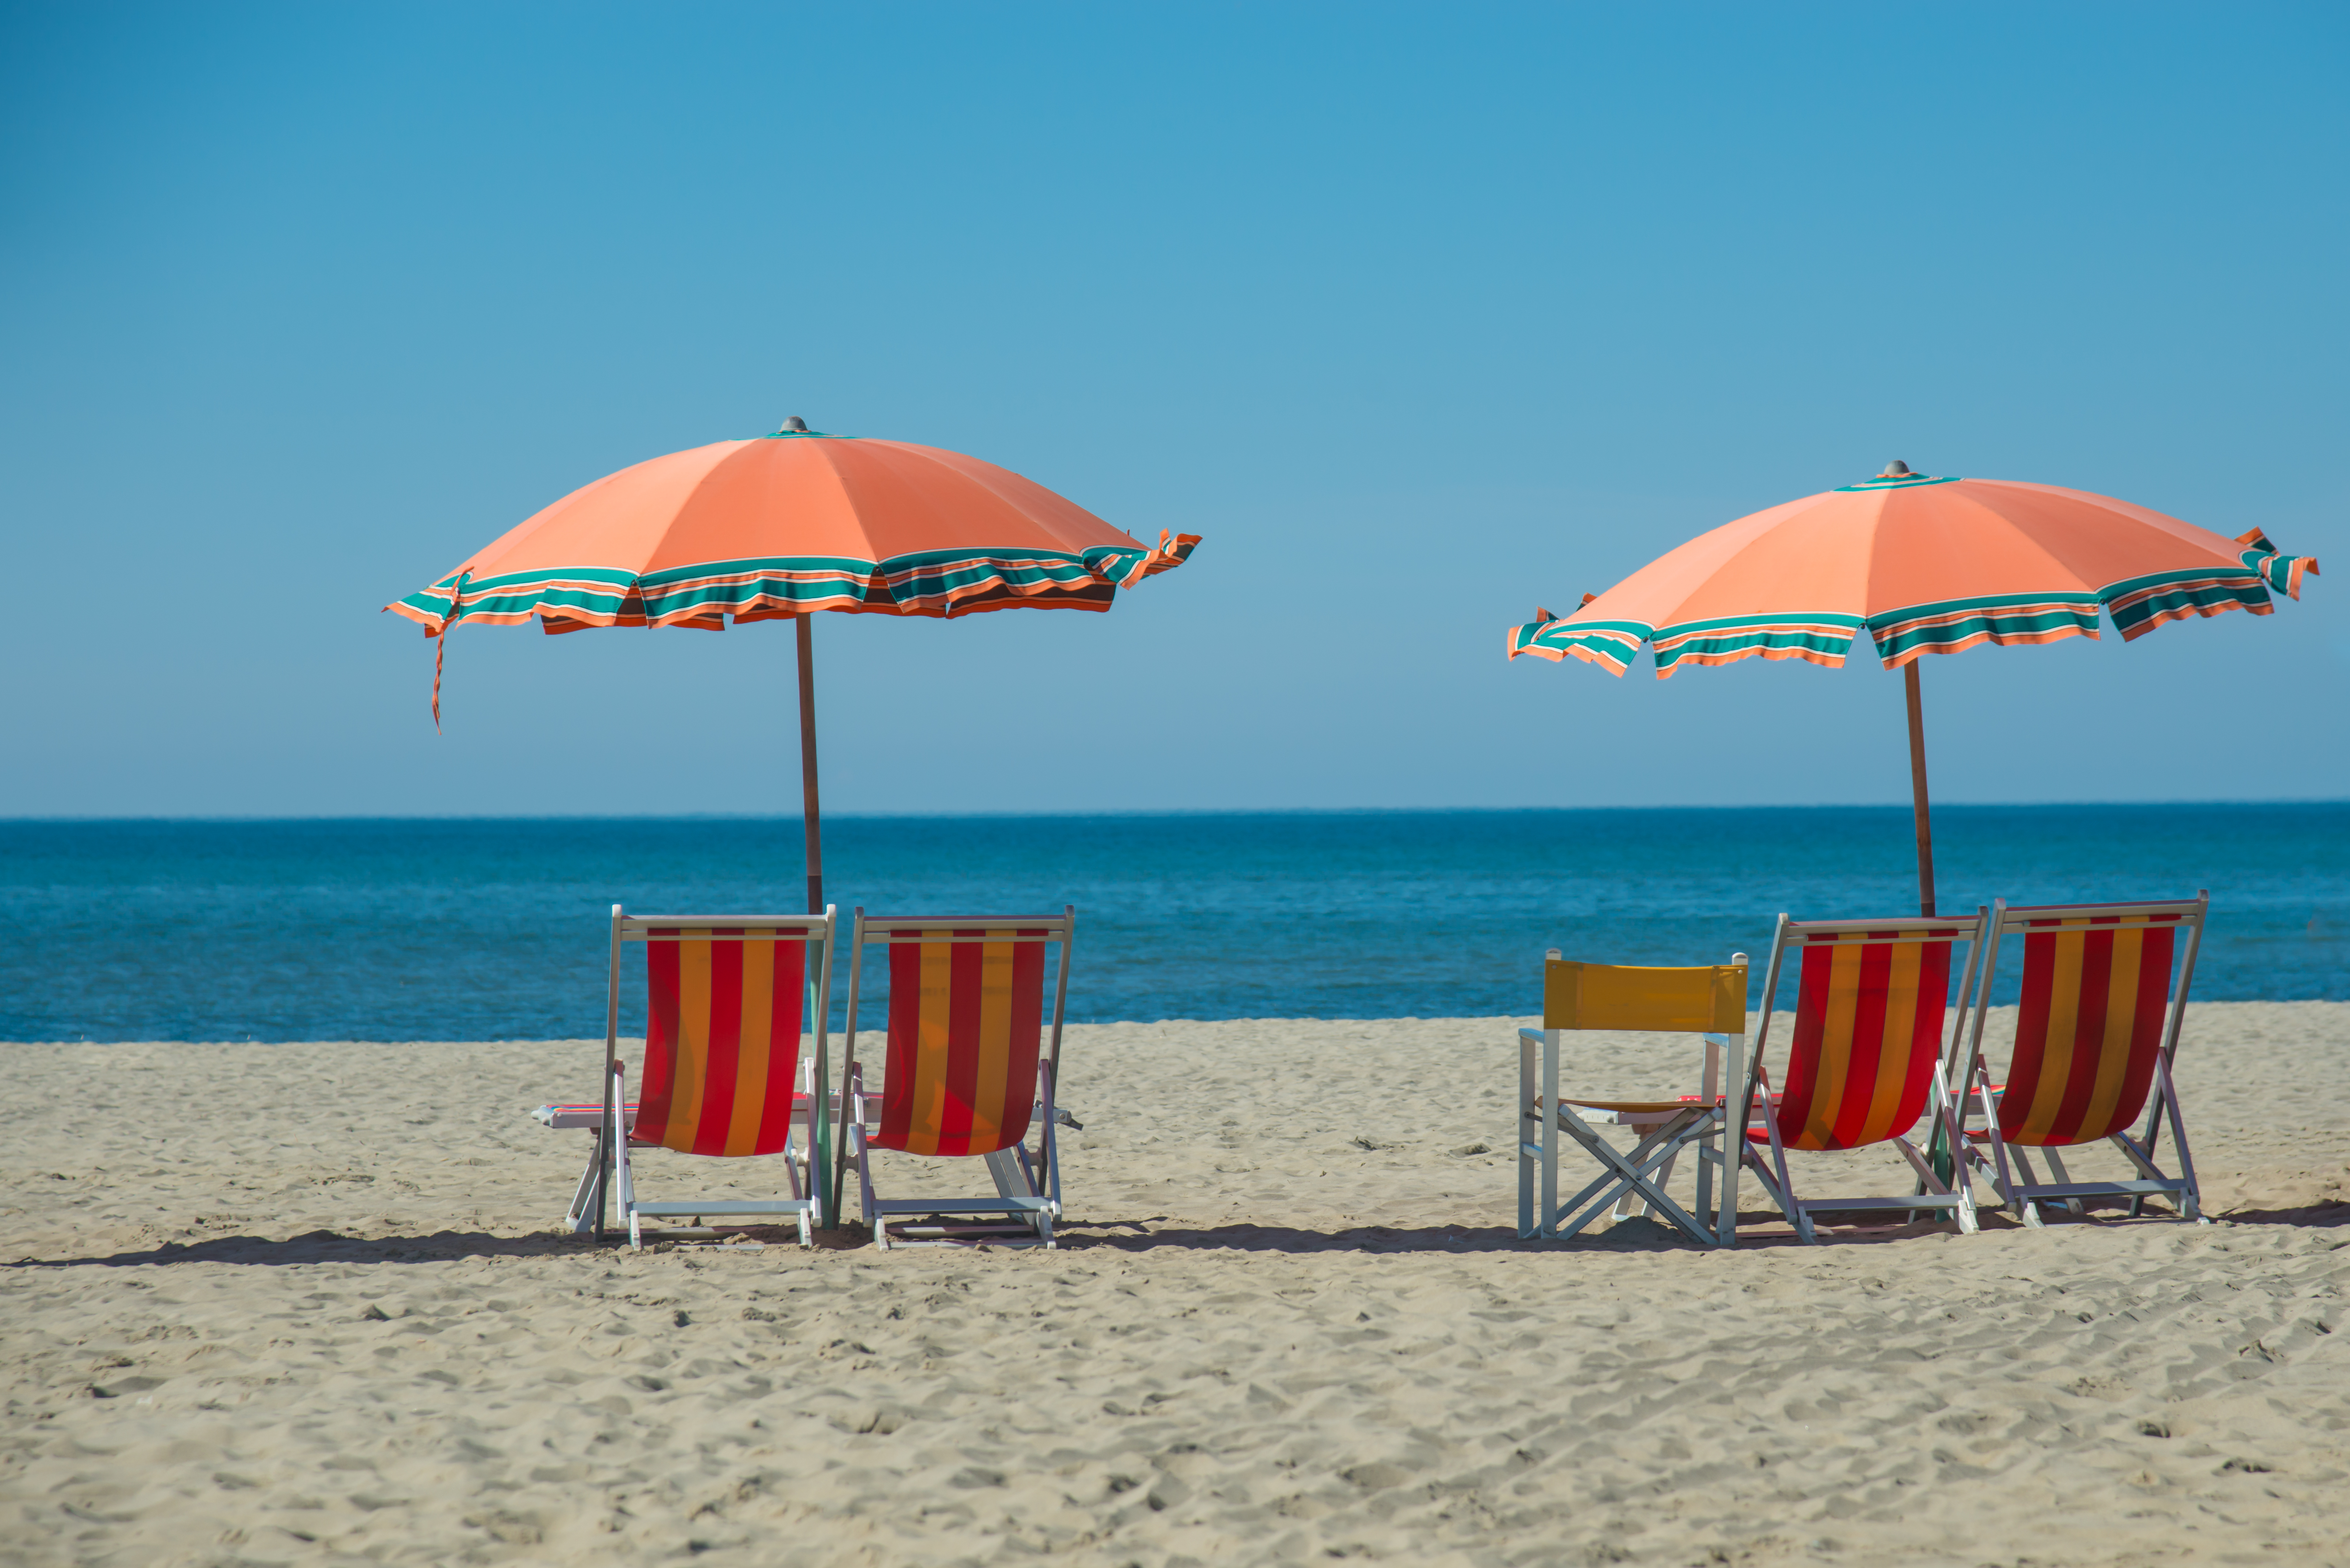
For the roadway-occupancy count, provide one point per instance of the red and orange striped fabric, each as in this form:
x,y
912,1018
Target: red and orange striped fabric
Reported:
x,y
2088,1029
1868,1029
965,1023
722,1041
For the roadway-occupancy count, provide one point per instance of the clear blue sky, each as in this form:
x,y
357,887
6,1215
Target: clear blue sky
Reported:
x,y
1422,316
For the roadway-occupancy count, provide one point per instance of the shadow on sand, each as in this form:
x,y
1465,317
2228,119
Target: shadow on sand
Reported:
x,y
331,1247
2311,1216
1640,1234
1765,1228
440,1246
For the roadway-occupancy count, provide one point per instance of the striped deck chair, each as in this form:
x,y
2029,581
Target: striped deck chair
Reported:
x,y
971,1066
725,998
2095,1033
1865,1056
1710,1000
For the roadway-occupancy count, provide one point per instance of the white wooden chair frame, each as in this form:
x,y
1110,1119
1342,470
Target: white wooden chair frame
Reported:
x,y
1027,1201
1627,1182
612,1173
1761,1107
2004,1160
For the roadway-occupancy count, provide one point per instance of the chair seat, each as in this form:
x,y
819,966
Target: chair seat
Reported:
x,y
1650,1107
1679,1103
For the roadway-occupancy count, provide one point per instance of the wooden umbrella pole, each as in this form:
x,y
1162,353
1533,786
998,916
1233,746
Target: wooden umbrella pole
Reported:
x,y
1916,787
808,766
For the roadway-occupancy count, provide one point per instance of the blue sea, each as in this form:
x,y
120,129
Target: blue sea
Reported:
x,y
411,929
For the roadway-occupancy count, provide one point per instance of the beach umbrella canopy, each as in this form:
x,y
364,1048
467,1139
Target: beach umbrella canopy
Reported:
x,y
782,526
1926,565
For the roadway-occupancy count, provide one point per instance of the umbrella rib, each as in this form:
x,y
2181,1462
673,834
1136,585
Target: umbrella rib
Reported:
x,y
637,583
1779,518
1017,504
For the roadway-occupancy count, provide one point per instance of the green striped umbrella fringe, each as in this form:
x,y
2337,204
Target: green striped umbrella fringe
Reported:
x,y
2137,605
936,583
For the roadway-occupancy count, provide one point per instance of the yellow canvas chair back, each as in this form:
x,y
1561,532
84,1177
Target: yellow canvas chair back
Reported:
x,y
1709,999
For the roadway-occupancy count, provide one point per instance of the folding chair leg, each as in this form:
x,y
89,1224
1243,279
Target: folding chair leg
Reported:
x,y
2028,1210
794,1157
867,1206
1979,1163
1783,1190
2056,1168
1731,1158
1537,1162
1705,1163
1950,1129
1709,1088
1780,1200
1045,1217
1995,1165
1010,1169
581,1215
1551,1110
1930,1181
2190,1199
1722,1202
611,1125
627,1175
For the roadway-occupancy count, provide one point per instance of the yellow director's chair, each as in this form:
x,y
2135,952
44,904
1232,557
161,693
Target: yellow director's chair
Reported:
x,y
1708,1000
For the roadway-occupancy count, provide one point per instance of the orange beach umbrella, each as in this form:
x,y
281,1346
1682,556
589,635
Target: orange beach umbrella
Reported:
x,y
780,527
1925,565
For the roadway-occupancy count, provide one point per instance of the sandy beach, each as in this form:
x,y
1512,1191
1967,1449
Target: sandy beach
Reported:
x,y
311,1304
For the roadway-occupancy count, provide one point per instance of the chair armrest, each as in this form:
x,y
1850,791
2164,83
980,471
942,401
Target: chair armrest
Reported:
x,y
587,1116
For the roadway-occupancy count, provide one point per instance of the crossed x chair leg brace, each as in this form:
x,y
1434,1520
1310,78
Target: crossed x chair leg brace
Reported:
x,y
1633,1178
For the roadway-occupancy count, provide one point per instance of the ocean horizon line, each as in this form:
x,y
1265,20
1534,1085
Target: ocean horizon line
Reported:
x,y
1167,812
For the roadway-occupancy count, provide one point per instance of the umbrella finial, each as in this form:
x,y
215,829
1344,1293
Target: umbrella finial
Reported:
x,y
796,423
1895,470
